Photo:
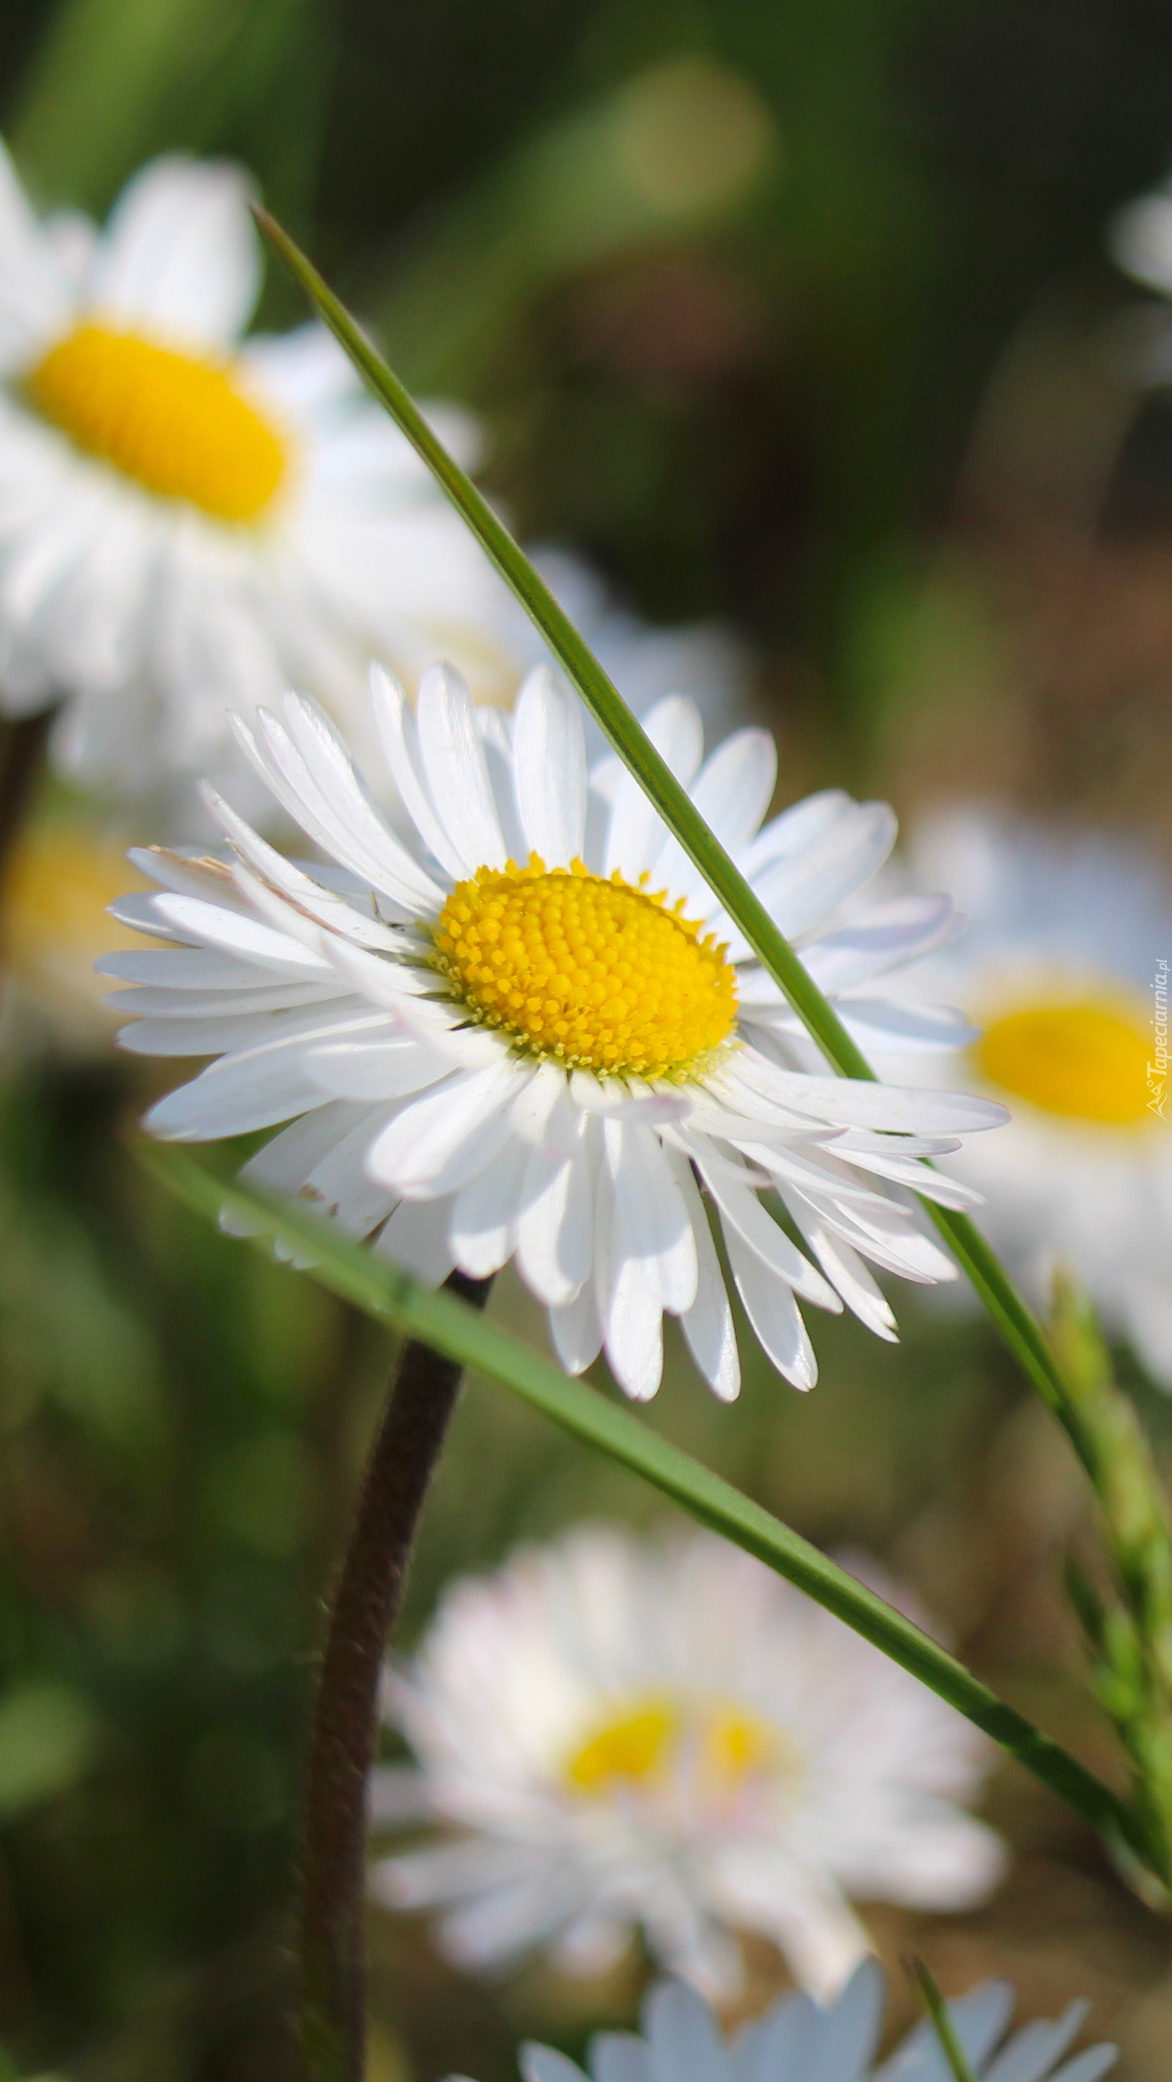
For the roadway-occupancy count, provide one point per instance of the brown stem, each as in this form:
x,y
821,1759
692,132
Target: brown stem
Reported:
x,y
366,1606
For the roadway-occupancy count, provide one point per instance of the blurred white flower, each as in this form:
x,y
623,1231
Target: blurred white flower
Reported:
x,y
191,522
188,523
1139,238
1061,962
666,1737
799,2040
545,1062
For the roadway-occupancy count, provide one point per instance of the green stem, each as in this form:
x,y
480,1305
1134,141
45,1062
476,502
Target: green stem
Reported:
x,y
440,1320
1014,1319
941,2022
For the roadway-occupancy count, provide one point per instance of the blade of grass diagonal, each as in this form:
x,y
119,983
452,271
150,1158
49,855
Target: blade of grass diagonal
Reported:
x,y
941,2023
1020,1329
450,1326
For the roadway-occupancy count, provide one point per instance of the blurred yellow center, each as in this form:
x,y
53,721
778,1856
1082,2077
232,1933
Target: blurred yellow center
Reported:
x,y
1086,1060
176,424
597,974
720,1743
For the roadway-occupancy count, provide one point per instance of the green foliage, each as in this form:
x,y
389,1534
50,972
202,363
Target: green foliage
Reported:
x,y
1129,1630
461,1333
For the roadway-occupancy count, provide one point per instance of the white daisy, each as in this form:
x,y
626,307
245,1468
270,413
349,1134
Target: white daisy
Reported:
x,y
1062,964
546,1062
797,2040
189,522
666,1737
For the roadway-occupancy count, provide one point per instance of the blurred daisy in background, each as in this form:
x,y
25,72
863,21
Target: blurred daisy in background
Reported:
x,y
188,523
546,1061
58,885
665,1737
1061,965
191,522
799,2040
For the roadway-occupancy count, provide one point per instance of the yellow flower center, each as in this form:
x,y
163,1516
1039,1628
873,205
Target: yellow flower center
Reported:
x,y
176,424
720,1743
1086,1059
597,974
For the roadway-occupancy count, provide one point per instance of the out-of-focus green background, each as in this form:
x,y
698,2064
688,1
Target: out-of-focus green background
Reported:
x,y
793,316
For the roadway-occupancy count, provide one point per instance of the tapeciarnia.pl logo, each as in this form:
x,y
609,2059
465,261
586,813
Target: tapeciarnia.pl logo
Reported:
x,y
1158,1070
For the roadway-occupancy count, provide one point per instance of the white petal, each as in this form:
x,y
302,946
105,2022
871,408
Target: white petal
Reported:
x,y
235,933
549,767
387,866
889,1239
555,1227
795,830
323,905
416,1237
483,1226
436,1144
741,1211
732,794
179,257
631,1316
774,1315
651,1219
340,1186
34,299
457,776
684,2036
882,1025
799,892
851,1102
908,1171
285,1162
383,1068
708,1324
400,742
576,1331
234,1097
636,831
849,1276
884,939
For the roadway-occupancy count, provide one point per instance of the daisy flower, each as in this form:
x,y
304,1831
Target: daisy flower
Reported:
x,y
666,1737
798,2040
1065,963
527,1032
190,521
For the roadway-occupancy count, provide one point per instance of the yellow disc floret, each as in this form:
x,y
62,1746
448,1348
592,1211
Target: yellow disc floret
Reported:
x,y
1085,1060
714,1744
176,424
598,974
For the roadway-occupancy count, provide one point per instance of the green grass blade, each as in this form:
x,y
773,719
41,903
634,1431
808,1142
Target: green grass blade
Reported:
x,y
941,2022
448,1324
1018,1326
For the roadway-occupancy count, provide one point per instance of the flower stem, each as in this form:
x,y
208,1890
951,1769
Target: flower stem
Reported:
x,y
366,1606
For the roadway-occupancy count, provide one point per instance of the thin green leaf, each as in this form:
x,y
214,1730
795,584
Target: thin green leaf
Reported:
x,y
448,1324
1021,1331
941,2022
